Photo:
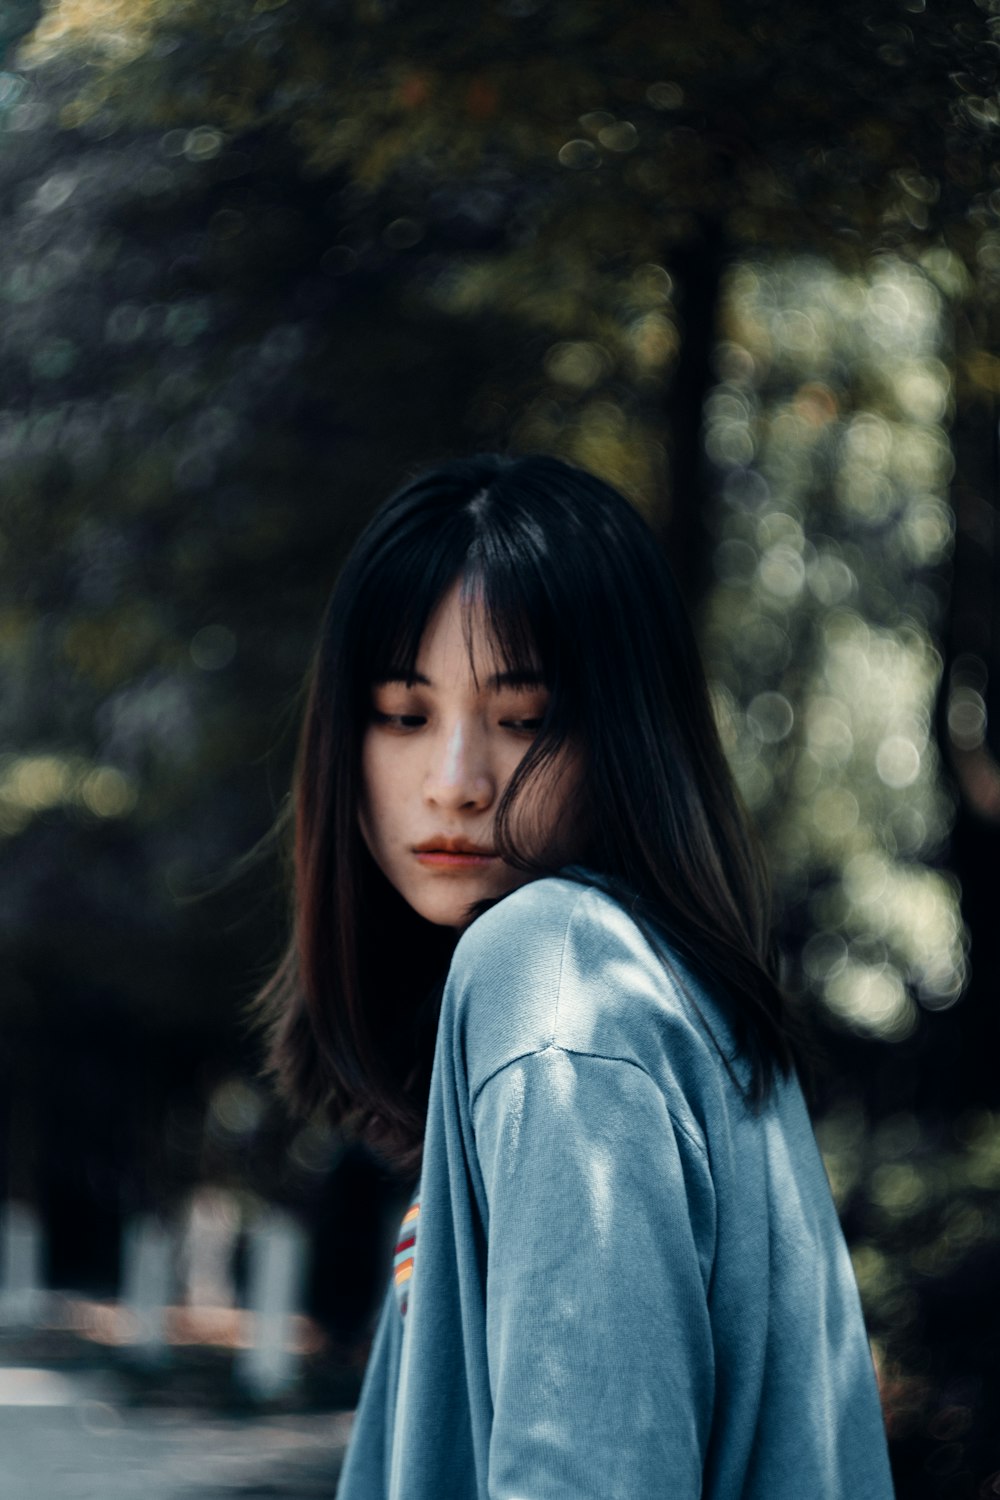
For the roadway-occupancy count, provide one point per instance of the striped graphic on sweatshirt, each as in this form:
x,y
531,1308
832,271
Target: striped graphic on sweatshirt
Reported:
x,y
402,1264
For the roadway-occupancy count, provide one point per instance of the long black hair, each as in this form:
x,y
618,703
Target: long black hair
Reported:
x,y
571,578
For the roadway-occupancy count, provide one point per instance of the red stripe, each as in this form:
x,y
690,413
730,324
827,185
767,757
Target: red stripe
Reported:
x,y
405,1244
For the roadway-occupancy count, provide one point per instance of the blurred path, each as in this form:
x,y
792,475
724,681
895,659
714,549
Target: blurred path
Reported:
x,y
64,1437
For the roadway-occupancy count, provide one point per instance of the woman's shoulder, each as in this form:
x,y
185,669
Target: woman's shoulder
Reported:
x,y
530,920
562,963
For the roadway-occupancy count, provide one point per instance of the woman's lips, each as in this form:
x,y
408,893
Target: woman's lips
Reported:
x,y
444,859
449,851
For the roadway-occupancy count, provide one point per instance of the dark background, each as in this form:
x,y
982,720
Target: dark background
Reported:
x,y
261,263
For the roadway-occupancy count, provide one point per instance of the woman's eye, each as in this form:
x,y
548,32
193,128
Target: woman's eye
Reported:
x,y
398,721
522,726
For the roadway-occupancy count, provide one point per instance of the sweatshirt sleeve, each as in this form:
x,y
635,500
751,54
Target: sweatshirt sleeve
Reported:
x,y
365,1471
598,1337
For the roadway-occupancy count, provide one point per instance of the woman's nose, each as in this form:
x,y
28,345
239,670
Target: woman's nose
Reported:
x,y
460,774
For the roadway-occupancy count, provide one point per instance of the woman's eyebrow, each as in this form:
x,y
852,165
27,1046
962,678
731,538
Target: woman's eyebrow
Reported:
x,y
519,677
396,676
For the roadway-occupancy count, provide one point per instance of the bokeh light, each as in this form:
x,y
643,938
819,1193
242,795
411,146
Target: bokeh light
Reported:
x,y
826,434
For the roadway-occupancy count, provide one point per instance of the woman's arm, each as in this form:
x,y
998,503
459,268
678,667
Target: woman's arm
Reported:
x,y
601,1220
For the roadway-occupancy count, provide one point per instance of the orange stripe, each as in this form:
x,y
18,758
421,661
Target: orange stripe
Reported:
x,y
411,1213
404,1271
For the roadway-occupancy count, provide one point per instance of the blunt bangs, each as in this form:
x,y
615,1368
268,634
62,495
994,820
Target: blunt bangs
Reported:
x,y
499,560
396,597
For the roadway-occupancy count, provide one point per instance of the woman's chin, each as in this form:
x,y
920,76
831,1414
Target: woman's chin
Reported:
x,y
446,899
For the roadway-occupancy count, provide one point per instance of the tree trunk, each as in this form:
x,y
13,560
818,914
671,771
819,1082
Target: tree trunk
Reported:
x,y
697,268
962,1069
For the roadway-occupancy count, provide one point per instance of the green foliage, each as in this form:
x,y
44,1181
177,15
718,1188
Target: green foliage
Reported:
x,y
826,434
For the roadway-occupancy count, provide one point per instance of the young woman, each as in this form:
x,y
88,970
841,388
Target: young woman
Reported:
x,y
531,965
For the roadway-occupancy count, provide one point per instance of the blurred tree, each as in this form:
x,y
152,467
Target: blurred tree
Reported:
x,y
265,204
183,407
561,148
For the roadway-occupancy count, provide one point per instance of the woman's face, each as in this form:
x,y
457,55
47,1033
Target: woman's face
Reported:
x,y
436,756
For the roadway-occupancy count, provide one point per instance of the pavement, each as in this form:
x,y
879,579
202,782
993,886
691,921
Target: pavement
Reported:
x,y
78,1435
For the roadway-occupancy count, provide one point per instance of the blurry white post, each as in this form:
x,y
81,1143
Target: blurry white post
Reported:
x,y
22,1296
275,1280
210,1236
147,1284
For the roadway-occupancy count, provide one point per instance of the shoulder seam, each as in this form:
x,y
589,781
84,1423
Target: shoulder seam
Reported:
x,y
562,963
555,1014
699,1145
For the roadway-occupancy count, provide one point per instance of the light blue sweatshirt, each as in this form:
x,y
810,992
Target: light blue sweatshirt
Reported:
x,y
625,1284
